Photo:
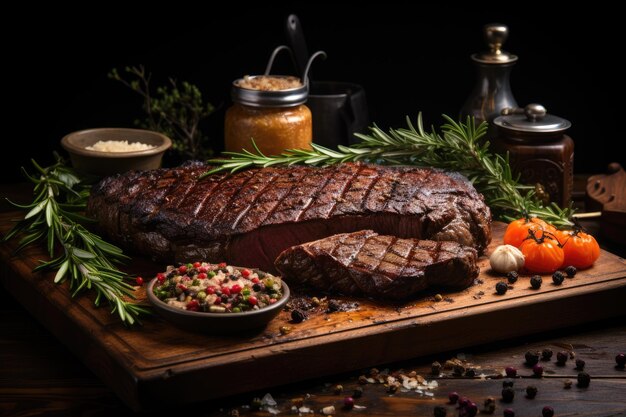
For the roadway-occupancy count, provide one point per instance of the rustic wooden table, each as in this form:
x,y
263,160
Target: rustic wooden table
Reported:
x,y
40,376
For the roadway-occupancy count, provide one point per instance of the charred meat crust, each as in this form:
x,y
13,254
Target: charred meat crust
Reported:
x,y
250,217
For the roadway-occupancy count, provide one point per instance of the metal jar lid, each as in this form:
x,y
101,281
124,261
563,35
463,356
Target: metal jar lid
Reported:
x,y
264,98
495,35
531,119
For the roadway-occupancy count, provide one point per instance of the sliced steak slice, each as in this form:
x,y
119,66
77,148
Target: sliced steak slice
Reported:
x,y
250,217
365,263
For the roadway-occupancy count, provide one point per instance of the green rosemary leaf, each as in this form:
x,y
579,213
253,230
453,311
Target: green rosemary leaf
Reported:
x,y
459,147
85,260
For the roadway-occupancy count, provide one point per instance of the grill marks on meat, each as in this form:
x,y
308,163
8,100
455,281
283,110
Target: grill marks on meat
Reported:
x,y
366,263
250,217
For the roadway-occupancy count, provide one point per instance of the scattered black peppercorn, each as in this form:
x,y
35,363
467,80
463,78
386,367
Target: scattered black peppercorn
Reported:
x,y
435,368
470,373
256,287
558,278
256,404
508,394
535,282
298,316
507,384
620,359
583,379
570,271
358,392
532,357
440,411
546,354
458,370
561,358
512,277
453,397
489,406
508,412
333,305
547,411
501,288
580,364
531,391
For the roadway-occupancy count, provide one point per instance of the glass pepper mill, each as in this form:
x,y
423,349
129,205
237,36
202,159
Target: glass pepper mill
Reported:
x,y
492,92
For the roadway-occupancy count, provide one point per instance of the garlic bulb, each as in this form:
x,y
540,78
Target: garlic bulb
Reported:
x,y
506,258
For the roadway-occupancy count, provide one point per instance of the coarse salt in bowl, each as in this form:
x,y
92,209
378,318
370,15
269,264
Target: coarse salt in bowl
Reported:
x,y
108,151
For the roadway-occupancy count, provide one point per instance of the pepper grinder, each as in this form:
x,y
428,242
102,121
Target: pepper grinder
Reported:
x,y
492,92
539,150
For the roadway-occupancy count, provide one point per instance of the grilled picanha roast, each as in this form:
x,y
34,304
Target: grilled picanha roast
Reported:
x,y
366,263
250,217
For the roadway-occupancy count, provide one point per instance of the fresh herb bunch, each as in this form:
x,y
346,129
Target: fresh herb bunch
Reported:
x,y
75,252
459,147
174,110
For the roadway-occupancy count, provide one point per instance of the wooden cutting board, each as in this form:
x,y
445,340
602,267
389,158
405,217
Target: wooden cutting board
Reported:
x,y
157,364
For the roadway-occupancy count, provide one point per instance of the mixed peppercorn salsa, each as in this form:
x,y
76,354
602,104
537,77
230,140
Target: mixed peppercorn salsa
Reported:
x,y
217,288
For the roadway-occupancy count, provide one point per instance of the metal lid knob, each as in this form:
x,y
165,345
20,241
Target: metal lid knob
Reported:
x,y
532,118
495,35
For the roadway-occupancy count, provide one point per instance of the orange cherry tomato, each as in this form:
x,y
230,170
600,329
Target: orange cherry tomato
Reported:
x,y
580,248
517,231
542,253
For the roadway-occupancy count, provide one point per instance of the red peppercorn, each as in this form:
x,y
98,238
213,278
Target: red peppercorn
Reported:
x,y
225,291
453,397
538,370
273,300
508,412
210,290
193,305
620,359
139,281
463,401
255,280
221,265
235,289
511,372
547,411
252,300
182,287
202,269
160,277
218,300
182,269
348,403
196,265
202,275
245,273
471,409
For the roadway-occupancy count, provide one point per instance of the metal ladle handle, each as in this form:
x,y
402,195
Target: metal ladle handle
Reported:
x,y
276,51
305,76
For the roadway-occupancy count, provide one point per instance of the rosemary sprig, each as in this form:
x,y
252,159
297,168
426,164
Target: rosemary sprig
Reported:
x,y
460,147
75,252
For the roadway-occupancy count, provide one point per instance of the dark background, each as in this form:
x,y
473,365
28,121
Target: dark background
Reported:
x,y
408,58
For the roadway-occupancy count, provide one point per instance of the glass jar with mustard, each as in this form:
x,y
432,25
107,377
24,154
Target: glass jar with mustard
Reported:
x,y
271,110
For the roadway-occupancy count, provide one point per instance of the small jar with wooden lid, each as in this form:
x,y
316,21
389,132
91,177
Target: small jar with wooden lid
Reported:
x,y
539,150
270,110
